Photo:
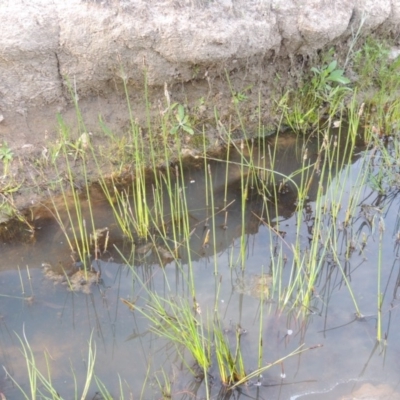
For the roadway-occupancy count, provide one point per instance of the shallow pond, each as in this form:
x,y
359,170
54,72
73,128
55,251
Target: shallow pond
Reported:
x,y
237,242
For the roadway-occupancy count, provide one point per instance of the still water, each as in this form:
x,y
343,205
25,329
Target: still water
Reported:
x,y
40,309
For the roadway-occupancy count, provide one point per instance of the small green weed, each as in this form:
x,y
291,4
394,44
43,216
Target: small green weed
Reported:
x,y
371,62
240,97
319,98
230,364
6,155
324,76
40,383
379,74
182,121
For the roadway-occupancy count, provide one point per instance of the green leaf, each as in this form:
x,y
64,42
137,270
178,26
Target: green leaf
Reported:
x,y
181,112
174,130
173,106
188,129
332,66
337,76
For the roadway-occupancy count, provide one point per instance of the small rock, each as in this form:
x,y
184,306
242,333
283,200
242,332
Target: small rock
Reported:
x,y
394,53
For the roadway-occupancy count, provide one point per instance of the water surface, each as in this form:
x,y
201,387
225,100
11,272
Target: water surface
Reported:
x,y
58,323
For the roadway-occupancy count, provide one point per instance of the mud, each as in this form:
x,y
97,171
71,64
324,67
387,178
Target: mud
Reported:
x,y
75,279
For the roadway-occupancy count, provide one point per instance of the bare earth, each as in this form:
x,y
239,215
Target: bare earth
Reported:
x,y
199,53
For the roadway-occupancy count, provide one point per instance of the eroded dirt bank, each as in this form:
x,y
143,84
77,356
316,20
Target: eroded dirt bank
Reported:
x,y
194,52
93,45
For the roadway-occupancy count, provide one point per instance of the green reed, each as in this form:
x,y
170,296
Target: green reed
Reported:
x,y
308,261
230,362
72,203
106,395
213,223
276,241
164,384
378,282
33,373
230,366
40,385
119,202
260,371
139,190
178,322
130,205
244,186
187,231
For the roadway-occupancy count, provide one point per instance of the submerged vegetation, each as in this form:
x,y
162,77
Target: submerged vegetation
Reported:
x,y
159,219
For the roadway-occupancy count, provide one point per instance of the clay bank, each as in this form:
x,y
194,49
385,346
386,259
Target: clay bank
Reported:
x,y
58,57
48,48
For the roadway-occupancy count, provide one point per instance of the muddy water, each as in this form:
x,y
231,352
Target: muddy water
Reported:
x,y
58,323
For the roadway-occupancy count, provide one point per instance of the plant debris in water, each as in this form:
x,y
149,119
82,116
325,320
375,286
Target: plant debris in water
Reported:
x,y
76,280
257,286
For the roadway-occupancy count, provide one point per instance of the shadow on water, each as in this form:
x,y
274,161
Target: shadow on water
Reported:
x,y
227,179
230,216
